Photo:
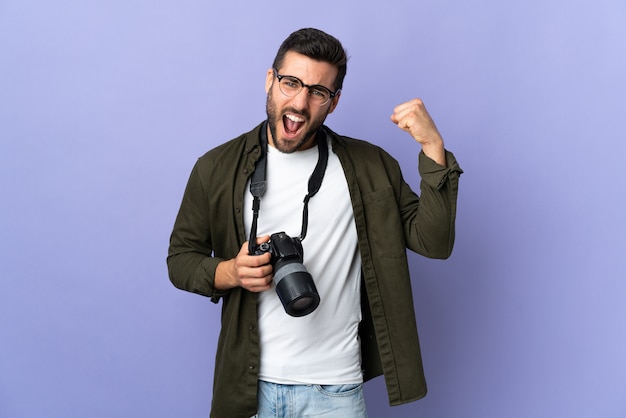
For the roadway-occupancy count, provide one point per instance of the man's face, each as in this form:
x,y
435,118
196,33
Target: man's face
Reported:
x,y
293,121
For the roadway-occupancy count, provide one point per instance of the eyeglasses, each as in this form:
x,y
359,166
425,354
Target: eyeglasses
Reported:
x,y
290,86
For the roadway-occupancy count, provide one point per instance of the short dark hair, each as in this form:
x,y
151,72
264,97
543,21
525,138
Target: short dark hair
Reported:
x,y
317,45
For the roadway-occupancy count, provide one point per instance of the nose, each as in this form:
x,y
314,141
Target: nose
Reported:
x,y
301,100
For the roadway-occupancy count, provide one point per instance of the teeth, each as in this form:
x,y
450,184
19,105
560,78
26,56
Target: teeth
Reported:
x,y
294,118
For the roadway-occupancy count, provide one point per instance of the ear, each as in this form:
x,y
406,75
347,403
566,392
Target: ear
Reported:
x,y
334,102
269,80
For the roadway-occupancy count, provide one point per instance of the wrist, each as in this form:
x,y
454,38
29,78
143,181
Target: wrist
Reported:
x,y
435,152
224,278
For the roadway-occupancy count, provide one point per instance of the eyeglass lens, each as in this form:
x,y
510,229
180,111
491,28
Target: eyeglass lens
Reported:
x,y
291,86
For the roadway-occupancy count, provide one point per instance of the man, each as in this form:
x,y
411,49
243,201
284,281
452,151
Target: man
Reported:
x,y
354,231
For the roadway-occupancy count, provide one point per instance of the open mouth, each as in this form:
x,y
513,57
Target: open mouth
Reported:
x,y
292,124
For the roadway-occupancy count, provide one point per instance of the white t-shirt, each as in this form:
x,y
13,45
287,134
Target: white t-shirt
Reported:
x,y
322,347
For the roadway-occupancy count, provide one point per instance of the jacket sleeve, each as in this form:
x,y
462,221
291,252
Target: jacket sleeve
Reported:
x,y
429,227
190,261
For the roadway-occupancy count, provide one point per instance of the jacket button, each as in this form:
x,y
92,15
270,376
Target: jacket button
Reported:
x,y
245,171
252,366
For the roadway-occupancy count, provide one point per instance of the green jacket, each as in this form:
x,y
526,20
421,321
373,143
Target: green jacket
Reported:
x,y
389,218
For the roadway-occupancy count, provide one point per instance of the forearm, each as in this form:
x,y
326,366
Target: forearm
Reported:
x,y
194,272
430,229
436,152
225,275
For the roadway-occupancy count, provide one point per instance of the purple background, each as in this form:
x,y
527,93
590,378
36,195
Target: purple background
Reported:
x,y
105,105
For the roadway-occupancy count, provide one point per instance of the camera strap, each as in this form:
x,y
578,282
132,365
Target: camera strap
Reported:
x,y
258,183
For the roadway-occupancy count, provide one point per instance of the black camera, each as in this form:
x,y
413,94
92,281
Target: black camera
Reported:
x,y
294,284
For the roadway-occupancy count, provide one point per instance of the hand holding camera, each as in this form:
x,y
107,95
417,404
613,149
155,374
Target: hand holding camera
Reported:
x,y
294,285
250,272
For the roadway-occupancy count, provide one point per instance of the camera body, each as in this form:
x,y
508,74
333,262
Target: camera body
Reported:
x,y
294,285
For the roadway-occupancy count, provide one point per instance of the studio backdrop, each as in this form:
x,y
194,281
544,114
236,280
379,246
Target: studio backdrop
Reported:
x,y
106,105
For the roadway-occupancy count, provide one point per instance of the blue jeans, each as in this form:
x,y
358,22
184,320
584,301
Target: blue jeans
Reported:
x,y
299,401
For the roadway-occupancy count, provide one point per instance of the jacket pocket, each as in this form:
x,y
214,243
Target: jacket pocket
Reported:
x,y
385,232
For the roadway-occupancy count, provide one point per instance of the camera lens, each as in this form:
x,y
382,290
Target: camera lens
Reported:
x,y
296,289
302,303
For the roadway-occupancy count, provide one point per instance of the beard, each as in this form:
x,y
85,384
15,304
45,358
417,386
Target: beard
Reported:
x,y
273,119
